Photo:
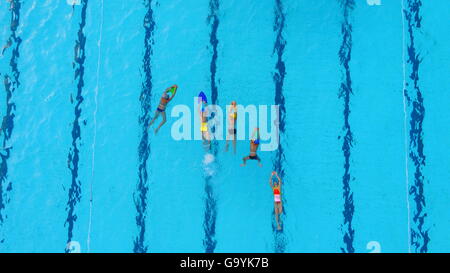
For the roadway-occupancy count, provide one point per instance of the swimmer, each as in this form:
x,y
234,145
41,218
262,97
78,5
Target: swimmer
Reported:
x,y
276,188
232,117
203,114
254,143
165,98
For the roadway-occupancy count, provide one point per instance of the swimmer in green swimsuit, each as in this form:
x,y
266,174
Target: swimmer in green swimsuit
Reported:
x,y
254,143
161,110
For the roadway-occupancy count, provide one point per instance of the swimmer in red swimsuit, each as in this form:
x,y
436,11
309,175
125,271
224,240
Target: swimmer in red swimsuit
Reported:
x,y
276,188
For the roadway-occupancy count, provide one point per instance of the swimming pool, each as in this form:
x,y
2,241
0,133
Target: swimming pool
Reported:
x,y
364,130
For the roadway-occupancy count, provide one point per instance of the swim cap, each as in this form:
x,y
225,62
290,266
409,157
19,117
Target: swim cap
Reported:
x,y
202,97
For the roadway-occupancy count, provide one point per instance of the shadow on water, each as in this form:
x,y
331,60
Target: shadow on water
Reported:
x,y
11,84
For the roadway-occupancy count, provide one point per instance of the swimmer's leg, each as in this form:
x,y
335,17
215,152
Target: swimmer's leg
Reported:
x,y
276,215
154,118
207,136
162,122
206,145
227,142
259,160
244,160
206,140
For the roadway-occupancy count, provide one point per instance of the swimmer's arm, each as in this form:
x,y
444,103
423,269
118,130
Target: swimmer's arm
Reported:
x,y
200,114
279,180
270,181
253,134
199,111
173,94
255,131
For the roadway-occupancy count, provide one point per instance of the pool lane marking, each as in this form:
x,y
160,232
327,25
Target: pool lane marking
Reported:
x,y
140,197
73,157
7,126
405,125
209,222
278,78
419,236
344,92
99,44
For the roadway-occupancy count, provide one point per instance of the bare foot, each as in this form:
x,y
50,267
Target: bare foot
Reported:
x,y
279,228
242,165
260,165
156,130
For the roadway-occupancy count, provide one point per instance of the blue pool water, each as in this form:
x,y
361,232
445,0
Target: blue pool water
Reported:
x,y
362,89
